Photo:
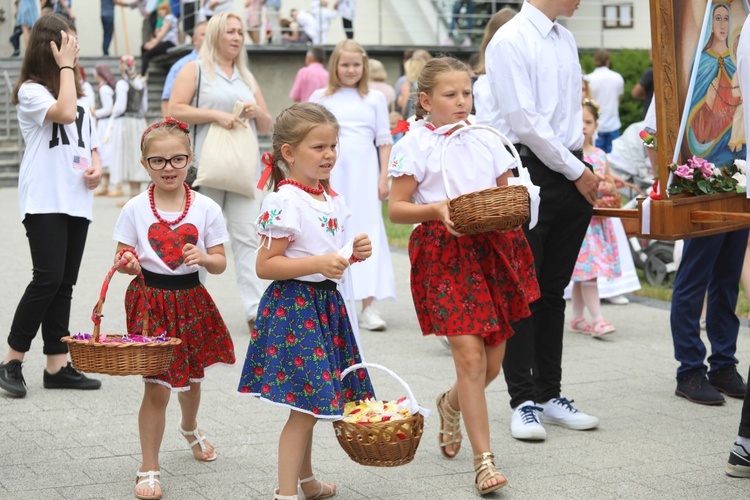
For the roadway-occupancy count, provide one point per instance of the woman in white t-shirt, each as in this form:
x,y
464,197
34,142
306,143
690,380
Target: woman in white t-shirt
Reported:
x,y
58,172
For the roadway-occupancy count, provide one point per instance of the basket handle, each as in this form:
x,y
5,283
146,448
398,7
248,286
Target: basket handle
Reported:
x,y
96,314
414,408
523,173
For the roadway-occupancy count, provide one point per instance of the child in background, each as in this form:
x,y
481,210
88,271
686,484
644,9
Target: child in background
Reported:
x,y
106,89
126,125
362,172
399,126
253,11
177,303
302,337
58,172
467,287
599,254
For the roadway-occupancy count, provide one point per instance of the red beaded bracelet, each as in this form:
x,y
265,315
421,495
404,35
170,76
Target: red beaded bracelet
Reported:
x,y
354,259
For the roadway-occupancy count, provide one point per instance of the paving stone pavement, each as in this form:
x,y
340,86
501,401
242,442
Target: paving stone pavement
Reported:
x,y
84,445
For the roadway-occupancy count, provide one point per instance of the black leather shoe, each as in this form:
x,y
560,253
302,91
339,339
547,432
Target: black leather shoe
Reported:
x,y
696,389
728,381
11,378
70,378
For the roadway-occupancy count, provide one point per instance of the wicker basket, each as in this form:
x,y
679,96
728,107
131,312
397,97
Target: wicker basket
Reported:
x,y
382,444
113,358
501,207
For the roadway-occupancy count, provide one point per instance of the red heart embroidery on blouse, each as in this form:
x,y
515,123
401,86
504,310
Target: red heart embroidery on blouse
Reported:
x,y
168,242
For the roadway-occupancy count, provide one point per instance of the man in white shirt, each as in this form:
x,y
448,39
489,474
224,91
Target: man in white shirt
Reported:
x,y
606,87
535,77
738,464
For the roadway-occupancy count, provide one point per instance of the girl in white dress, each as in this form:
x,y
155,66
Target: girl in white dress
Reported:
x,y
127,123
362,169
110,184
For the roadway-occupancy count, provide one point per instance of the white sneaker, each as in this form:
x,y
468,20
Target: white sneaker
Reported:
x,y
448,42
618,300
370,319
525,423
560,411
466,42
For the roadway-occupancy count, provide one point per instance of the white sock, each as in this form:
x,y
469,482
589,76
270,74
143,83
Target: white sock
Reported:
x,y
744,442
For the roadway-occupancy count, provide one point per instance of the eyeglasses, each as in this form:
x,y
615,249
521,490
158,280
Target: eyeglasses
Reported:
x,y
159,163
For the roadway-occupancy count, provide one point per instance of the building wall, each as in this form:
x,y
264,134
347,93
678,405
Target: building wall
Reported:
x,y
378,22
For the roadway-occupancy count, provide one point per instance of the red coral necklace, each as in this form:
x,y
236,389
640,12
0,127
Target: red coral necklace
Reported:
x,y
301,186
156,212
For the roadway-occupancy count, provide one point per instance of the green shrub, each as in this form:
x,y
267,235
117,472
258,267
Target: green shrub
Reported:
x,y
631,64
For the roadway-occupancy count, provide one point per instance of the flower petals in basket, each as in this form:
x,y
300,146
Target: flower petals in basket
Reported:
x,y
380,433
115,354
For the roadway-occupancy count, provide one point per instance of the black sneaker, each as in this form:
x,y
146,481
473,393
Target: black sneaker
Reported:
x,y
696,389
738,464
728,381
11,378
70,378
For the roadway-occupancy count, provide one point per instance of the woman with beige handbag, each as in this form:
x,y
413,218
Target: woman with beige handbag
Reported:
x,y
206,93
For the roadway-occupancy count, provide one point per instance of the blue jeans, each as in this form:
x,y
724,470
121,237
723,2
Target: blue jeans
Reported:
x,y
108,27
604,140
709,264
457,11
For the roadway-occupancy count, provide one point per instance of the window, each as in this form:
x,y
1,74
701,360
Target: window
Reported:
x,y
617,16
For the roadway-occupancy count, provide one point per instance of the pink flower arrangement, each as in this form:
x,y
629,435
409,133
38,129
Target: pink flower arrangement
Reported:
x,y
698,177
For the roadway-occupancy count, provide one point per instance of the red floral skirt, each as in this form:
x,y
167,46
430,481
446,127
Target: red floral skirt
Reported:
x,y
190,315
473,285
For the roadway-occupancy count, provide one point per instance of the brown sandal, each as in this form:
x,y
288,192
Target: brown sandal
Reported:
x,y
450,418
485,471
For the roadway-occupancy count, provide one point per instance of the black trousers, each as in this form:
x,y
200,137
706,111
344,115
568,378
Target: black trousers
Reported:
x,y
56,242
348,28
745,416
533,356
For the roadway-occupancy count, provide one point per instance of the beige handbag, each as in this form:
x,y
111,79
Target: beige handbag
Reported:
x,y
229,158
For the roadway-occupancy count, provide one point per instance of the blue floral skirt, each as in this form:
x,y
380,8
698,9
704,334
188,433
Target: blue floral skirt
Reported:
x,y
301,343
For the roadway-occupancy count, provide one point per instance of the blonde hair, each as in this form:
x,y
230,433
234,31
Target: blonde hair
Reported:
x,y
168,127
497,20
430,77
215,28
377,71
291,127
413,67
164,6
334,83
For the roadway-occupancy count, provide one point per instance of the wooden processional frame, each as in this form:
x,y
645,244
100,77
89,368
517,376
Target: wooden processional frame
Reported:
x,y
677,217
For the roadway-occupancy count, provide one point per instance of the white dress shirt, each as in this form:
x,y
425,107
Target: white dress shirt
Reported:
x,y
743,70
606,88
533,69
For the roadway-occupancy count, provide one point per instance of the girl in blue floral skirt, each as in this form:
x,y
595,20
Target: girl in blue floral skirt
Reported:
x,y
303,338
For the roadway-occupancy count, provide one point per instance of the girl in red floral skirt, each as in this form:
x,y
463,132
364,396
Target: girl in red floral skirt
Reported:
x,y
303,338
468,288
174,232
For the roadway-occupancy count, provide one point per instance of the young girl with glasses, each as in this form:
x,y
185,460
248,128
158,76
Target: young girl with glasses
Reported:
x,y
168,233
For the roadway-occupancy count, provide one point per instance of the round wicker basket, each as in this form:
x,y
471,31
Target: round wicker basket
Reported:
x,y
114,358
495,208
382,444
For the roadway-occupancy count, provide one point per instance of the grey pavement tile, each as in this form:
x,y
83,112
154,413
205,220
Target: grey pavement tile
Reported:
x,y
85,445
632,490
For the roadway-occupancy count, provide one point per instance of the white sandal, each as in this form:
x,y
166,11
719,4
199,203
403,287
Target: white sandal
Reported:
x,y
323,486
199,438
150,476
276,496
